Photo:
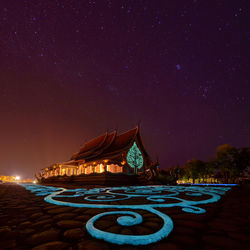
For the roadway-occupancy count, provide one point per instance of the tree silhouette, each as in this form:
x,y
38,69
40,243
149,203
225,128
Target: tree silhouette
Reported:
x,y
193,168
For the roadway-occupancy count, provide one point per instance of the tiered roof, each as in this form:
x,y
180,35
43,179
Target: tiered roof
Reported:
x,y
107,145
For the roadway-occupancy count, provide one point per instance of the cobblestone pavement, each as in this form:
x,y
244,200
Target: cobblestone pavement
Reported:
x,y
27,222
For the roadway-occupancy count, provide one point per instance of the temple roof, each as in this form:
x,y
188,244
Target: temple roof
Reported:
x,y
94,143
106,145
122,141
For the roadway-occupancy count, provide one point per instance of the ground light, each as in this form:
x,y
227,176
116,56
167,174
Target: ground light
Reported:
x,y
214,184
154,197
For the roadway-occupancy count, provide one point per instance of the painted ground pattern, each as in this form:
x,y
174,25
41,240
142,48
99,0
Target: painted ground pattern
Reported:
x,y
188,199
27,221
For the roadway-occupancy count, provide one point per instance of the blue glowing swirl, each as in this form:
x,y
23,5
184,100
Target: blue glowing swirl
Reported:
x,y
156,197
133,219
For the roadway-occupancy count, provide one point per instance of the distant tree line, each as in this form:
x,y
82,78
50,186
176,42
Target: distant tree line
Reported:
x,y
227,165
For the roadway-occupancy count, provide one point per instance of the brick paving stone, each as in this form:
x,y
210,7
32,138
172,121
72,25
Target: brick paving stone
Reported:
x,y
143,230
155,220
79,210
128,247
126,231
231,221
240,236
36,215
46,236
44,217
13,222
185,230
93,211
223,225
42,222
92,245
59,210
47,226
145,216
4,230
83,217
103,224
74,234
114,229
220,241
151,224
25,224
238,221
196,217
54,245
166,246
7,233
8,244
216,232
69,224
64,216
185,240
32,209
47,207
191,224
27,231
211,248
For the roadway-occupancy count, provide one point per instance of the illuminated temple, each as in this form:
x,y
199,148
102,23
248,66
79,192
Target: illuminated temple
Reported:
x,y
108,153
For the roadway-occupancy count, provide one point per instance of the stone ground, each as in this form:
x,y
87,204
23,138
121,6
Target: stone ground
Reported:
x,y
27,222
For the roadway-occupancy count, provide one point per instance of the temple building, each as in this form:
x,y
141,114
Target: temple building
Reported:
x,y
110,152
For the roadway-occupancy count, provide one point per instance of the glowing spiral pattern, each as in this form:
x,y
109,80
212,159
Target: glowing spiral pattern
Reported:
x,y
155,197
131,220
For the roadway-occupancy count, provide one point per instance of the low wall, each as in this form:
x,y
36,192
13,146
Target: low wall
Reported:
x,y
105,179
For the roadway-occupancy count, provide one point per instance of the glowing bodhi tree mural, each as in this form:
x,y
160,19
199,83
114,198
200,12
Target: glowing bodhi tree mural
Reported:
x,y
135,158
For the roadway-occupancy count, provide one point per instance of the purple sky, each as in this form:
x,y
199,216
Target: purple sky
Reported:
x,y
70,70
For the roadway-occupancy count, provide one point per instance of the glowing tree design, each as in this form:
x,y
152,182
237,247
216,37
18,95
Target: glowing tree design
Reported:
x,y
135,158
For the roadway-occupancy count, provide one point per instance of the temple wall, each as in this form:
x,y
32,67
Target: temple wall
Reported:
x,y
114,168
69,171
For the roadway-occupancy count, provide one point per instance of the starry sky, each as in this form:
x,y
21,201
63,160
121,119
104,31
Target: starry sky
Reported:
x,y
71,70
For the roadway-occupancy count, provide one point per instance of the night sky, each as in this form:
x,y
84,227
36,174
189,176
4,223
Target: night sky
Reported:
x,y
71,70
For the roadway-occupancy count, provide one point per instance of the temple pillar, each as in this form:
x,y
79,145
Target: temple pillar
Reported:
x,y
101,168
